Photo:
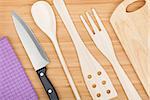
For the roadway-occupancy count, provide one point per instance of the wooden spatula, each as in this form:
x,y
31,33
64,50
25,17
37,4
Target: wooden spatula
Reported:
x,y
104,44
96,79
132,30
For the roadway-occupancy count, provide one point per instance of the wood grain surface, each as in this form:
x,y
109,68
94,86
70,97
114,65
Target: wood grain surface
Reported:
x,y
55,72
133,35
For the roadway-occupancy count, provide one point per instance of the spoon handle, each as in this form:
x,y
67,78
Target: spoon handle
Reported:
x,y
71,82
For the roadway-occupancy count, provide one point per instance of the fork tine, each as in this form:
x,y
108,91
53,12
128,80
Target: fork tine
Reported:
x,y
98,20
92,22
86,26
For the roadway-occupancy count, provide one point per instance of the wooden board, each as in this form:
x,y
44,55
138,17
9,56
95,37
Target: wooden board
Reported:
x,y
55,72
132,30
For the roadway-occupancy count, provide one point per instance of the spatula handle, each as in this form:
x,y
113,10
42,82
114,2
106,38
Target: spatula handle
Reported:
x,y
94,74
70,80
50,90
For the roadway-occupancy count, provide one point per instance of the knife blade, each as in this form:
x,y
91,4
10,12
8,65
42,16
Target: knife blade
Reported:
x,y
36,55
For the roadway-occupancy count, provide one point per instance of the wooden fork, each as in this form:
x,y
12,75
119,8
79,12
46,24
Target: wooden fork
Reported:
x,y
103,42
95,77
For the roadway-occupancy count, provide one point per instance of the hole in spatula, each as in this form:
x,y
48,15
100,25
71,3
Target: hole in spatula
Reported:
x,y
135,6
98,94
99,73
89,76
103,82
108,91
94,85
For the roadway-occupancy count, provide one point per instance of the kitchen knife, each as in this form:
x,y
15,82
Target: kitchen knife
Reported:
x,y
37,56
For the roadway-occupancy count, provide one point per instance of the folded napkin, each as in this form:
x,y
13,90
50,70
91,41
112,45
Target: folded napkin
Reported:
x,y
14,83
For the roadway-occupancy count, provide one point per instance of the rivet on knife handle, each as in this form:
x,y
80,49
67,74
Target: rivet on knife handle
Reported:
x,y
51,92
35,52
47,23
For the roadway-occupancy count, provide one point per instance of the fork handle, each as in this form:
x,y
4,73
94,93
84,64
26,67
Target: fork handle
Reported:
x,y
92,71
128,87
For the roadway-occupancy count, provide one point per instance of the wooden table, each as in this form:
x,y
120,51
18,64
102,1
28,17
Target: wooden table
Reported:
x,y
55,71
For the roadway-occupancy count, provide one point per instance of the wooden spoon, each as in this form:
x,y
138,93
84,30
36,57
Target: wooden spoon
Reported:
x,y
44,17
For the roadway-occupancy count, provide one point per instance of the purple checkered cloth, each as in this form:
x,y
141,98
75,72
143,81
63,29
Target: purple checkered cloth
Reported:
x,y
14,83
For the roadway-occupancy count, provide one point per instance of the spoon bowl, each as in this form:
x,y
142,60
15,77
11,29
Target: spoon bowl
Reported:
x,y
44,17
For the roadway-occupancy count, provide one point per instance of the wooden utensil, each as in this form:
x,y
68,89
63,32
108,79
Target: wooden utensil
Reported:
x,y
132,30
97,80
44,17
104,44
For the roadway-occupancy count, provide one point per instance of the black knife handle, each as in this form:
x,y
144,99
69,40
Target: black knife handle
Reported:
x,y
50,90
